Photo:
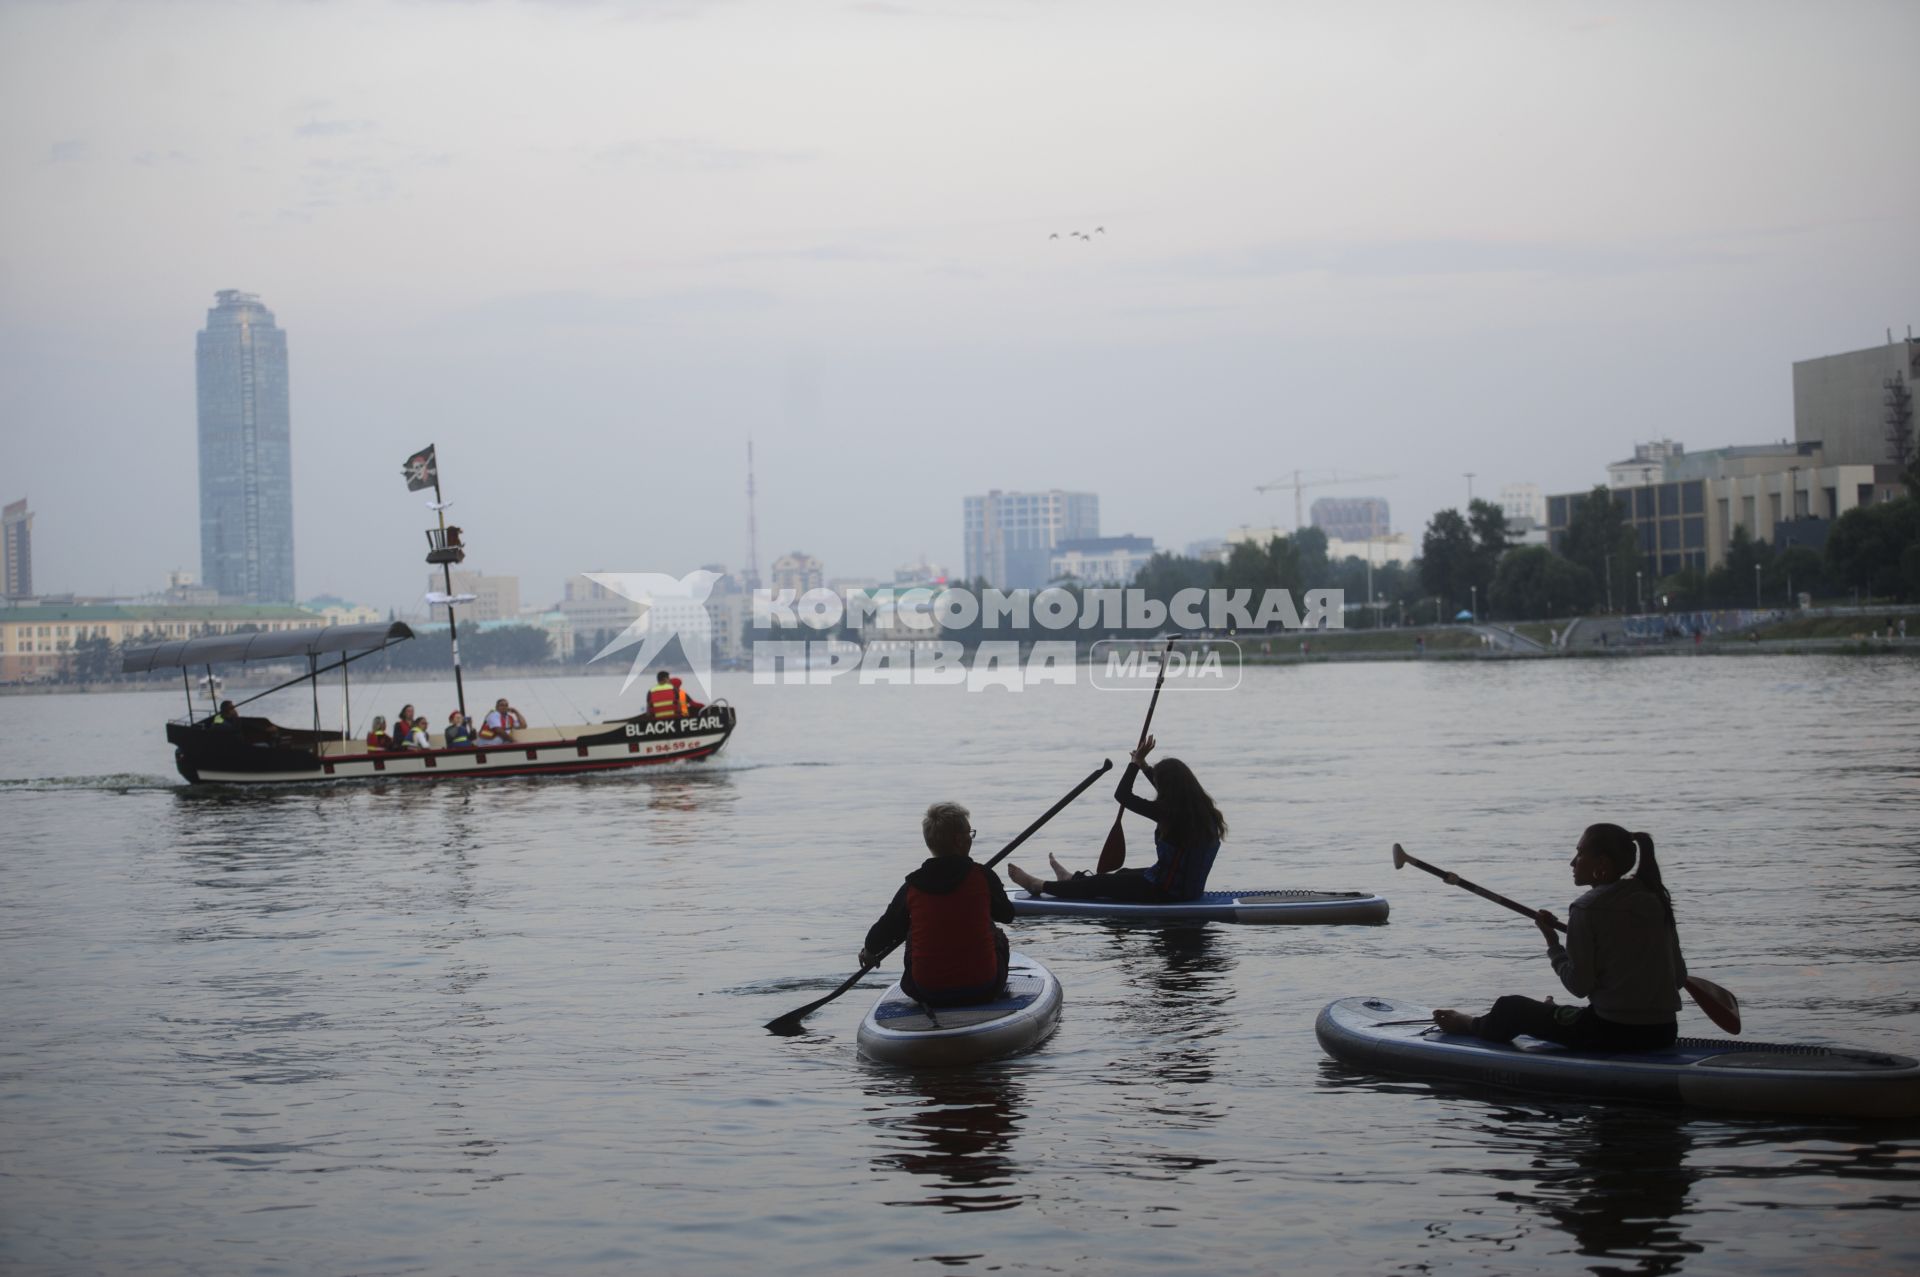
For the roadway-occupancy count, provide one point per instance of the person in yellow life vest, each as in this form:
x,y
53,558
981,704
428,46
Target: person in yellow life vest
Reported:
x,y
665,699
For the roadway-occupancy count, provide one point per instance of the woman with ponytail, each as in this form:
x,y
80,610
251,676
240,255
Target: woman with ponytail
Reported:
x,y
1622,954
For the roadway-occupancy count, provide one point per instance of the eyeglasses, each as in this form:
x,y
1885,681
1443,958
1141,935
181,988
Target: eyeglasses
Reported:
x,y
973,833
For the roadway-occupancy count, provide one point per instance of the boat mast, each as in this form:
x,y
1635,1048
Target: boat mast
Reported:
x,y
446,555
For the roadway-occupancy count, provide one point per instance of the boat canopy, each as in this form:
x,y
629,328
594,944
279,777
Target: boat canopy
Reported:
x,y
261,647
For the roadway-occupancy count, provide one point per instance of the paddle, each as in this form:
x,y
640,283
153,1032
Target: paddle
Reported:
x,y
1113,852
1721,1007
789,1024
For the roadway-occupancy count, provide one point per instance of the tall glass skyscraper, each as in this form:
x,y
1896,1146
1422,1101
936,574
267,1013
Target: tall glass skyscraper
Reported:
x,y
246,454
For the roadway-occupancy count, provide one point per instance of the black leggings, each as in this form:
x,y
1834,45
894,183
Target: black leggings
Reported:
x,y
1129,885
1574,1026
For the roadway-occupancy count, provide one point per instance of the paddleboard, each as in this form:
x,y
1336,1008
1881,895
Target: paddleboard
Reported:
x,y
1295,907
1717,1073
898,1030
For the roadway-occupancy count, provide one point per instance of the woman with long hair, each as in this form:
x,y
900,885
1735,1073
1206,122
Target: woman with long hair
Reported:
x,y
1187,829
1622,954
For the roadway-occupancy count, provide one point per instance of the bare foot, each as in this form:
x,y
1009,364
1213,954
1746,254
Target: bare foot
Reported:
x,y
1453,1022
1024,879
1059,870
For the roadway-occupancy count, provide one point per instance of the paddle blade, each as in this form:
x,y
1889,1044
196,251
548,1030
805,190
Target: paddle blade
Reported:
x,y
788,1025
1721,1007
1113,852
1399,856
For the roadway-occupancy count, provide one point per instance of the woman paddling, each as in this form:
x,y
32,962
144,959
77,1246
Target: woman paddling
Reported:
x,y
1622,953
1186,837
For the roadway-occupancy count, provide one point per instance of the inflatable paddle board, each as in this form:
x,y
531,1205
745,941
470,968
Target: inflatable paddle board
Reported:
x,y
898,1030
1392,1035
1295,907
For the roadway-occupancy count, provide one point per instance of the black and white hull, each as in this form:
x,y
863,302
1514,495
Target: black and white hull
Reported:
x,y
256,753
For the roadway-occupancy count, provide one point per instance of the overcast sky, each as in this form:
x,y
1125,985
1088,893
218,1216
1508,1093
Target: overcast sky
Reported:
x,y
587,248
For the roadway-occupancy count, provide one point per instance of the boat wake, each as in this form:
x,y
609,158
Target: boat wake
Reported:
x,y
117,782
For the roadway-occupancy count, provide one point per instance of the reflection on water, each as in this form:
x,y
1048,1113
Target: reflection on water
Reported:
x,y
951,1132
1181,977
269,871
1614,1180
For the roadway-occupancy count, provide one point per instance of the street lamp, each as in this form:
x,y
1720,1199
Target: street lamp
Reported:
x,y
1639,594
1756,587
1473,599
1375,618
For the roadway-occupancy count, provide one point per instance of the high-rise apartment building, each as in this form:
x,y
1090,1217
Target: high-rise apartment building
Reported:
x,y
1010,536
797,572
1351,518
246,455
17,521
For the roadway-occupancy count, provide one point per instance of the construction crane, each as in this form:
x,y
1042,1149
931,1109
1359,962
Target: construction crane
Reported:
x,y
1301,480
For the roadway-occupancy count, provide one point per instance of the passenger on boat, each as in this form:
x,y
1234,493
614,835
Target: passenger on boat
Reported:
x,y
227,718
1622,954
501,722
945,911
403,728
1186,837
420,737
459,730
377,738
665,699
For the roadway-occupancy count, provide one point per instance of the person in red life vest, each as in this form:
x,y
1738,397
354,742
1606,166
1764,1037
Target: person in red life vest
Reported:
x,y
501,722
377,738
1187,829
945,911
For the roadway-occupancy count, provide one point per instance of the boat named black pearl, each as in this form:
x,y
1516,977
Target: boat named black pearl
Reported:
x,y
227,748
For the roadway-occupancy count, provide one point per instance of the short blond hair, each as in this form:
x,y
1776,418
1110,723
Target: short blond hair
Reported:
x,y
945,827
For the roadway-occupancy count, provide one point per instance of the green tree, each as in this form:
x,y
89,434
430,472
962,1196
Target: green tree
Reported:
x,y
95,660
1533,582
1309,546
1794,571
1600,539
1166,574
1732,584
1449,559
1684,591
1867,548
1488,523
1247,568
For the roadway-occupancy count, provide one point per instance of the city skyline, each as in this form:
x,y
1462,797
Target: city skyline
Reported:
x,y
1316,253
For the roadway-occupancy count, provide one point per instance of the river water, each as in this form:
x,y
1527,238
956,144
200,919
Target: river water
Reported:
x,y
514,1027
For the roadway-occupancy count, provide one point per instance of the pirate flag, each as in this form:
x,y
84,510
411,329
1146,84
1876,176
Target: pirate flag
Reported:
x,y
420,470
